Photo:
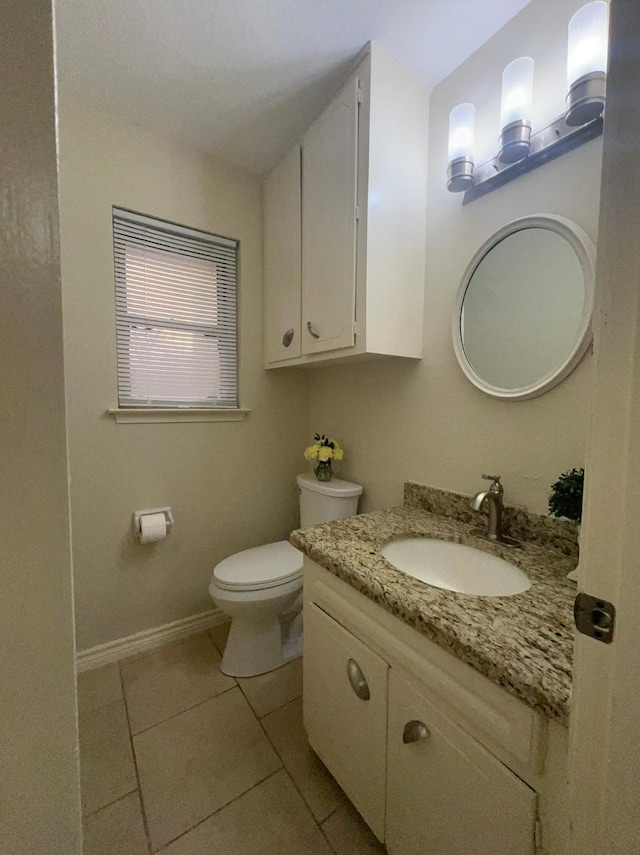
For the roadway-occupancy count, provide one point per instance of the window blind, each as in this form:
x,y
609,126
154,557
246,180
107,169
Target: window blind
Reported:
x,y
176,317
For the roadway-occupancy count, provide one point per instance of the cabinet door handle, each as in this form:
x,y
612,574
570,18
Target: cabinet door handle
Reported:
x,y
358,680
414,731
312,331
287,338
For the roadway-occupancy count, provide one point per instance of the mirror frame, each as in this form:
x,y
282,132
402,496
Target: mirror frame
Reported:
x,y
586,252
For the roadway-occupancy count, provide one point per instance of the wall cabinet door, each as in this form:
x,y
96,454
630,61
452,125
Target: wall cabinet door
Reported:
x,y
282,260
347,723
446,794
329,191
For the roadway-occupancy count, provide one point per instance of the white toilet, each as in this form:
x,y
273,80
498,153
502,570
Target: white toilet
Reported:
x,y
261,588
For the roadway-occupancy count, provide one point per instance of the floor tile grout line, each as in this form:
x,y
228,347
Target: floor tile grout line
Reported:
x,y
336,809
253,786
259,718
264,715
221,652
222,807
290,776
324,834
140,657
149,651
99,709
276,709
109,804
186,709
143,811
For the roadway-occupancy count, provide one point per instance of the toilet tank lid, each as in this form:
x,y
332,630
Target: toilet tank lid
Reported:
x,y
336,487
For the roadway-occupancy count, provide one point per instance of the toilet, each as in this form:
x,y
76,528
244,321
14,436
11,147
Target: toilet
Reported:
x,y
260,589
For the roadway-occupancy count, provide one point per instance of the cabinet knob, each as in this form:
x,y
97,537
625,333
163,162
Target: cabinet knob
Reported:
x,y
358,680
287,338
312,331
414,731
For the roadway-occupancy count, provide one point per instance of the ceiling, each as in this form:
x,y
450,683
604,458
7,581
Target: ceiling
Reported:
x,y
241,79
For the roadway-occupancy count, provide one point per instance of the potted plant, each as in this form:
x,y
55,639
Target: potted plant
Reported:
x,y
566,496
324,450
566,501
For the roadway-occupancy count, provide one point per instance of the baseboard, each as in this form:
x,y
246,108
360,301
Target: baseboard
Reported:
x,y
102,654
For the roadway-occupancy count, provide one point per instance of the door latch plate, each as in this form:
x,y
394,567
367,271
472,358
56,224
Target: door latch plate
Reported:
x,y
594,617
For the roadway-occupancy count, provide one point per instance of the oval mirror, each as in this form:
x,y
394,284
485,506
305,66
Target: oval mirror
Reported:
x,y
522,318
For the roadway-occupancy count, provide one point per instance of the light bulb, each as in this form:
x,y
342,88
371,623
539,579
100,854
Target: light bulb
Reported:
x,y
461,141
587,62
515,110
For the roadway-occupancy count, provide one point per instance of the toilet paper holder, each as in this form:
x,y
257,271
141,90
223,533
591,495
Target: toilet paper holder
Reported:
x,y
138,514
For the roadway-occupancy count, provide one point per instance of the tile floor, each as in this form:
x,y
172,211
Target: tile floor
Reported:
x,y
178,758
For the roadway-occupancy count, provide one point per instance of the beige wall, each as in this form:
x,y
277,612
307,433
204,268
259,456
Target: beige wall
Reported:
x,y
231,485
40,804
425,421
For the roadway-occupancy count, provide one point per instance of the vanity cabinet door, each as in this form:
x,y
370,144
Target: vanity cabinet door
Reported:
x,y
446,794
345,711
329,190
282,260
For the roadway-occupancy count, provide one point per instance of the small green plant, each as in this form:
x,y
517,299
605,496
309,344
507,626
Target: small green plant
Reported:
x,y
566,495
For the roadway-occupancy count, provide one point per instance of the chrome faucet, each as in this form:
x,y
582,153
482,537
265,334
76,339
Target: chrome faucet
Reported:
x,y
493,497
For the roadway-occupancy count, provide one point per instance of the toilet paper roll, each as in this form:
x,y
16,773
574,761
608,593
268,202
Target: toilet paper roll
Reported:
x,y
153,527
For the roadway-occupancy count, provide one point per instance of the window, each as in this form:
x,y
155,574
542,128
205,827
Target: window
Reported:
x,y
176,296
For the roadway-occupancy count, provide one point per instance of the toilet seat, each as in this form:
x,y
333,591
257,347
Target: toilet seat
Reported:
x,y
259,568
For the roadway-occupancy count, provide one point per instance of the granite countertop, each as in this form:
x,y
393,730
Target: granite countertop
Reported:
x,y
522,642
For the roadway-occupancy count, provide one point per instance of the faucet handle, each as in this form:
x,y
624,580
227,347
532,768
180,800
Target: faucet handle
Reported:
x,y
496,486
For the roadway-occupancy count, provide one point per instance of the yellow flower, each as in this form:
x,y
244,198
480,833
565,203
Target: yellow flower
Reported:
x,y
311,453
325,453
338,453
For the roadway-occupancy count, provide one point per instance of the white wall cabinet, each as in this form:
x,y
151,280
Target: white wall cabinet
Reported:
x,y
329,200
282,260
345,242
436,758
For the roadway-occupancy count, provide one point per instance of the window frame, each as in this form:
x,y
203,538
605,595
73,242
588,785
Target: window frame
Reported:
x,y
223,252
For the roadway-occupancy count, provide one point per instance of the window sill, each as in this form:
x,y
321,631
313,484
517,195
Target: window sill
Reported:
x,y
144,415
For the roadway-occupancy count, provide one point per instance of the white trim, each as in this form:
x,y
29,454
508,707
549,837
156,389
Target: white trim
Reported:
x,y
586,252
144,415
103,654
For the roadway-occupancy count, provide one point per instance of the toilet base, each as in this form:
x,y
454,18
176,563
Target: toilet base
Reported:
x,y
257,647
292,649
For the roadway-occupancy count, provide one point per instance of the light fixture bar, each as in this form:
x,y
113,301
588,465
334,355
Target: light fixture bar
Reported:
x,y
547,144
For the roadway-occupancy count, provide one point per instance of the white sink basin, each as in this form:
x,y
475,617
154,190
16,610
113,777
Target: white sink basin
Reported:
x,y
456,567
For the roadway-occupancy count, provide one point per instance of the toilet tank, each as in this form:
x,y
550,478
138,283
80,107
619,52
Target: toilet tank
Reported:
x,y
322,501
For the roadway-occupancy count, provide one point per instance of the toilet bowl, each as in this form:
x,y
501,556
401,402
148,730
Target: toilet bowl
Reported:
x,y
260,589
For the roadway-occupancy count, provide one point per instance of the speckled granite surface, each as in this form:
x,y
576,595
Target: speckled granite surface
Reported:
x,y
523,643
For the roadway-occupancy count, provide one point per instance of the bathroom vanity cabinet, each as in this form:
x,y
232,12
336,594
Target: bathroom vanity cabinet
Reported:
x,y
434,756
344,221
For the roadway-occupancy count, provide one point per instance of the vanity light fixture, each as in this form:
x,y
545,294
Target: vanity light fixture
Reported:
x,y
461,138
515,110
520,149
587,63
